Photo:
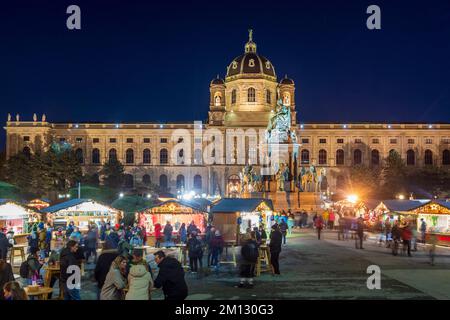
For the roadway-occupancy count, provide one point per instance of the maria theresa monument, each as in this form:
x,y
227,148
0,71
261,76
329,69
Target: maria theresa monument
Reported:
x,y
252,112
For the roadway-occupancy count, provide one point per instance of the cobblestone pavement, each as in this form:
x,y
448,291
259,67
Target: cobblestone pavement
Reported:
x,y
325,269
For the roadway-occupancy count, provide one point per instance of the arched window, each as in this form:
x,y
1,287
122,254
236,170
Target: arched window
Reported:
x,y
26,152
129,181
96,156
129,156
268,96
322,156
79,155
233,96
163,156
198,182
251,95
340,182
286,99
217,100
180,182
146,179
339,157
163,181
410,158
446,157
357,156
112,155
304,157
198,156
375,157
146,156
428,157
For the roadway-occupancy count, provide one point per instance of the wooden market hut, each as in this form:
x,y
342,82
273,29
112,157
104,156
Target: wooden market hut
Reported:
x,y
232,216
18,218
399,209
81,212
177,212
436,214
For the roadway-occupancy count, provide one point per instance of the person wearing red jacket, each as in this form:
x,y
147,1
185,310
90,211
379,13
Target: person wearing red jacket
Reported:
x,y
406,237
158,229
319,225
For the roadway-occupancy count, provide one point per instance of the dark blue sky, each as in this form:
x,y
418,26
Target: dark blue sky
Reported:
x,y
148,61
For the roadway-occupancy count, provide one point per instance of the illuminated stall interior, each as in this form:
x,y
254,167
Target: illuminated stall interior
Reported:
x,y
399,210
176,212
436,214
233,216
82,212
16,217
39,204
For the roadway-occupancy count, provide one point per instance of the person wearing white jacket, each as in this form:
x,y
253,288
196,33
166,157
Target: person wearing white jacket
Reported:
x,y
140,283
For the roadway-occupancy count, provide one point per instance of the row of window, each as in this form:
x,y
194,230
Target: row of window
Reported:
x,y
97,140
375,157
163,181
129,156
375,141
251,96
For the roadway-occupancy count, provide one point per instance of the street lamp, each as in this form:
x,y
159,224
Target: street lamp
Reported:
x,y
352,198
401,197
121,195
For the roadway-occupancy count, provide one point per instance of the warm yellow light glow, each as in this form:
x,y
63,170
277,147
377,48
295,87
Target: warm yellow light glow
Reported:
x,y
352,198
401,196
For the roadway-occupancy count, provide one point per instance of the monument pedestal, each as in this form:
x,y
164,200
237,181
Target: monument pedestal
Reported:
x,y
310,201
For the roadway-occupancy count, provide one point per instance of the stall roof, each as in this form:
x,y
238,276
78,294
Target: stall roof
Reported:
x,y
68,204
10,209
196,205
403,205
240,205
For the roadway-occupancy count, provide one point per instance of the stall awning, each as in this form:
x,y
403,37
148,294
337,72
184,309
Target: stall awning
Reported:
x,y
11,210
79,205
401,205
195,205
240,205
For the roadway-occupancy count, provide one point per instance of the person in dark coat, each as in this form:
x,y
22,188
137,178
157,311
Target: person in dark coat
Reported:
x,y
90,244
6,275
112,240
195,250
284,229
102,267
168,229
4,245
360,231
170,277
68,257
275,248
249,258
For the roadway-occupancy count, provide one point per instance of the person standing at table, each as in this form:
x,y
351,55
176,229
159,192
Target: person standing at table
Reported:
x,y
4,245
183,233
68,258
158,229
102,267
170,277
275,248
168,229
115,280
90,243
217,244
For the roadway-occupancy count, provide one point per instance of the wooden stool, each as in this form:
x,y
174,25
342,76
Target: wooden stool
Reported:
x,y
264,257
12,254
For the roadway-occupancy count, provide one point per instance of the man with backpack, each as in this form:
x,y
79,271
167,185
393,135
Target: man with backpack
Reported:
x,y
195,249
29,269
249,255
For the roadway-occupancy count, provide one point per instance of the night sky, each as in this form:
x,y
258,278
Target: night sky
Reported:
x,y
153,61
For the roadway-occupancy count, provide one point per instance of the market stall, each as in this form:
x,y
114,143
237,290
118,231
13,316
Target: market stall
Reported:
x,y
39,204
16,217
176,212
436,214
399,210
233,216
82,212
